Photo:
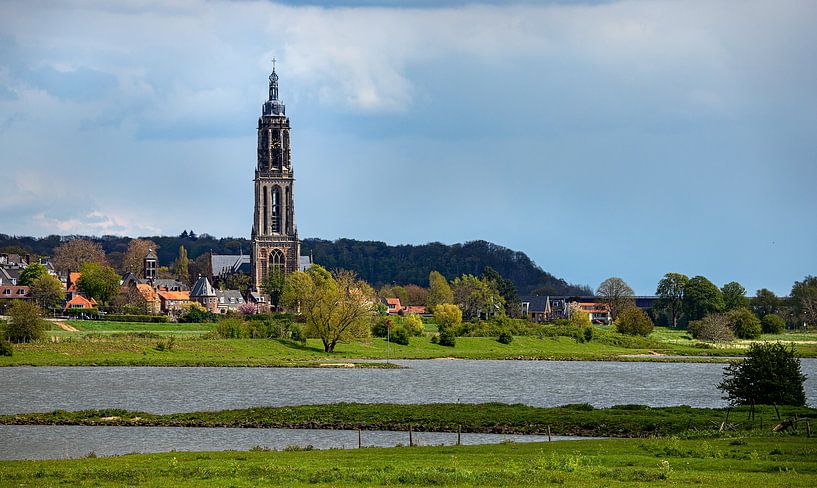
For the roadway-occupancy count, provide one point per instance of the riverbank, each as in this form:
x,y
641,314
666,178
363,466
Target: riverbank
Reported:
x,y
769,461
572,420
141,344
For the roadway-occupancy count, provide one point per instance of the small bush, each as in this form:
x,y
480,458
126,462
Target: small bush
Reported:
x,y
505,337
773,324
26,323
588,334
195,314
634,321
380,328
712,328
399,335
167,344
447,338
413,325
744,323
232,328
296,333
5,347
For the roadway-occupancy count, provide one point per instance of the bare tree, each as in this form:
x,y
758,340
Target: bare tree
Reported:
x,y
134,260
617,294
72,255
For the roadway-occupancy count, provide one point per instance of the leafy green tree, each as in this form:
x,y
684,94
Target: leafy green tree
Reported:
x,y
99,282
670,292
765,302
183,265
804,295
31,273
744,323
336,307
439,291
505,288
273,285
617,294
773,324
26,323
476,296
48,292
577,316
447,316
734,296
701,297
238,281
634,321
770,375
413,325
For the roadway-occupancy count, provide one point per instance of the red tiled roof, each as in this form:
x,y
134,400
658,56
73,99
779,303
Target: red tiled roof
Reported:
x,y
81,301
14,291
174,295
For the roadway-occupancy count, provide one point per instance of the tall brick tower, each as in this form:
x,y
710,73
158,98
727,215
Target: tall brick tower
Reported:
x,y
275,244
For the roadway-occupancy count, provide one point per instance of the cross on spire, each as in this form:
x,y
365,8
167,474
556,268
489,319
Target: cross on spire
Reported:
x,y
273,83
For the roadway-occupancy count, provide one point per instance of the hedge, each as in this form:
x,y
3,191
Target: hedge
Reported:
x,y
157,319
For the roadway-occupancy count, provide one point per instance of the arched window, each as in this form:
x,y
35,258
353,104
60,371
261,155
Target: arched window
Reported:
x,y
289,209
277,261
276,209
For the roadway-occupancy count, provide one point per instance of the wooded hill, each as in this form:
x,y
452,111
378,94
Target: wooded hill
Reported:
x,y
376,262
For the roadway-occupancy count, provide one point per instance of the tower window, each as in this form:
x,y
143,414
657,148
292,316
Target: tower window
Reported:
x,y
264,213
277,261
276,209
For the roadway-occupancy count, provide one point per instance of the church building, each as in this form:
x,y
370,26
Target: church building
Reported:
x,y
275,244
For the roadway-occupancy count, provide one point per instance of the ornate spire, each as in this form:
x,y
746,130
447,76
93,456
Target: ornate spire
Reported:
x,y
273,83
273,106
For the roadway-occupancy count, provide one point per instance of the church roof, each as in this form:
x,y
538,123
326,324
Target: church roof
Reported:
x,y
203,288
223,264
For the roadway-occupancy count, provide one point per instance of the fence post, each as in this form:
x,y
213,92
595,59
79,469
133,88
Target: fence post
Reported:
x,y
459,434
548,432
411,438
359,439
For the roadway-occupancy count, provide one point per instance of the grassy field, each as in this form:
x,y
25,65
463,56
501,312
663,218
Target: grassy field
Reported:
x,y
134,344
584,420
769,461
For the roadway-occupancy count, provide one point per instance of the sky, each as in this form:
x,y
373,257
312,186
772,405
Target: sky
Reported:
x,y
602,138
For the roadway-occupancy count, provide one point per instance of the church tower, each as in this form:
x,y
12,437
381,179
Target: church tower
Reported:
x,y
275,244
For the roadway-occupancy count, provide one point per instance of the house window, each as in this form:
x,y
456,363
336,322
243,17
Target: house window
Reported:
x,y
21,292
6,292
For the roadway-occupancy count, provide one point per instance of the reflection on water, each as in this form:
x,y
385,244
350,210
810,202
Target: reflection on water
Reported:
x,y
68,441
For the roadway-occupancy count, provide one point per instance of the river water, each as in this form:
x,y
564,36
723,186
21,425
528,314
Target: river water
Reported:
x,y
537,383
70,441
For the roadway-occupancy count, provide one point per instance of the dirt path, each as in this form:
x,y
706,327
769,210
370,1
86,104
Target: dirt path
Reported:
x,y
64,326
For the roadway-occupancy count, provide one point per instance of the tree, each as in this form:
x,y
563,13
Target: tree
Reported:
x,y
701,297
670,293
134,260
765,302
99,282
773,324
439,291
240,282
634,321
31,273
476,296
72,255
744,323
413,325
616,294
336,307
447,316
804,294
48,292
712,328
130,301
770,375
734,296
416,295
183,265
26,324
273,285
506,289
577,316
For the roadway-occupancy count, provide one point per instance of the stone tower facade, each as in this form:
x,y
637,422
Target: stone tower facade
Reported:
x,y
275,244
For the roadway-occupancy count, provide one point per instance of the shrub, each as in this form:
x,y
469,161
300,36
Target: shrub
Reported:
x,y
5,347
26,324
232,328
773,324
588,334
744,323
447,316
447,338
194,313
399,335
247,308
166,344
634,321
712,328
505,337
769,375
296,333
380,328
413,325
